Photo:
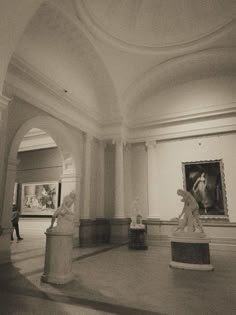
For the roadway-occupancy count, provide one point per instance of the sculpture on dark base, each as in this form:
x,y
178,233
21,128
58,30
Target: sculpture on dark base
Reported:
x,y
189,244
137,231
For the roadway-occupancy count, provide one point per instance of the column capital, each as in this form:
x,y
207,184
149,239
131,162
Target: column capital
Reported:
x,y
151,144
119,141
88,137
128,147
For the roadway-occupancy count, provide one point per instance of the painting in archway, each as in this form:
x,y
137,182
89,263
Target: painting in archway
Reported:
x,y
205,181
39,198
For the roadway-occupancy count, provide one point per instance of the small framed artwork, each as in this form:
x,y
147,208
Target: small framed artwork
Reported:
x,y
205,180
39,198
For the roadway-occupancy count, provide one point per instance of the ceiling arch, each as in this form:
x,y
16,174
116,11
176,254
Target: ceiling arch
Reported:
x,y
57,131
178,70
60,50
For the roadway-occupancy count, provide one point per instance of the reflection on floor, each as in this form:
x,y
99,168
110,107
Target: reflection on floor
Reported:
x,y
116,280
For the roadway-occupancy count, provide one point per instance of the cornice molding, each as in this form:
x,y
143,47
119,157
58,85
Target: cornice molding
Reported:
x,y
139,136
211,112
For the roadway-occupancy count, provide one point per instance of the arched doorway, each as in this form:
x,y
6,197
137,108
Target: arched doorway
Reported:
x,y
71,163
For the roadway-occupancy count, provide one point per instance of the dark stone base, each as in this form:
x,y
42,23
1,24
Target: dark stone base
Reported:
x,y
102,231
190,254
94,232
119,230
137,239
87,232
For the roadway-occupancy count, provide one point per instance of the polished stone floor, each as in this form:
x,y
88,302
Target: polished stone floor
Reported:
x,y
116,280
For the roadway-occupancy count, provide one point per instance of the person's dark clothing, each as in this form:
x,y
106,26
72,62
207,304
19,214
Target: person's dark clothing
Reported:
x,y
15,224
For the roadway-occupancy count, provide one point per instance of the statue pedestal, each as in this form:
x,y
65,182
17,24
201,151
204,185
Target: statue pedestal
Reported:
x,y
58,257
190,251
137,238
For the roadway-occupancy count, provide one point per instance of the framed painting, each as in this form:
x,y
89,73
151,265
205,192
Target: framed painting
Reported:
x,y
205,181
39,198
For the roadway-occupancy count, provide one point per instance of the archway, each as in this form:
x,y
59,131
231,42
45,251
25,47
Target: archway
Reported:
x,y
71,163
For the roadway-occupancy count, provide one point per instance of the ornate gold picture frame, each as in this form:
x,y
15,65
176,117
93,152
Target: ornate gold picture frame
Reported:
x,y
205,181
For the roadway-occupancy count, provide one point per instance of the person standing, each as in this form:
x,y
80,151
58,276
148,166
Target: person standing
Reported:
x,y
15,223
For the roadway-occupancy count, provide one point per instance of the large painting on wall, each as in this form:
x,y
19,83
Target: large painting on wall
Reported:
x,y
39,198
205,180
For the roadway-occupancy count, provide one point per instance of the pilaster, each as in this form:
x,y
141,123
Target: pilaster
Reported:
x,y
85,213
128,187
152,182
119,178
119,224
100,190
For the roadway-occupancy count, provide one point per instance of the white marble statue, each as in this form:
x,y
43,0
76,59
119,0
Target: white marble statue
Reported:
x,y
64,215
191,218
136,218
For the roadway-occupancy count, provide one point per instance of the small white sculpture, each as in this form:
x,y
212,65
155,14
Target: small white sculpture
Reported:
x,y
190,213
64,215
136,218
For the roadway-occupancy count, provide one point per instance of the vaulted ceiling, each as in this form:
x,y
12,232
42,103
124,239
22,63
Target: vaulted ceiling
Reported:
x,y
104,58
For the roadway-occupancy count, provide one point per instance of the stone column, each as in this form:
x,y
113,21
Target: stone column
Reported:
x,y
119,179
128,189
100,195
119,224
85,213
86,222
153,220
6,189
71,182
102,224
152,184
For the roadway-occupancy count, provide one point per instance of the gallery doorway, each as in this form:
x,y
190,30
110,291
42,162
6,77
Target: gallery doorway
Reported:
x,y
50,169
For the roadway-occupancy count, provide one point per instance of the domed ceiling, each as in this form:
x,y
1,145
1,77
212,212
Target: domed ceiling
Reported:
x,y
157,23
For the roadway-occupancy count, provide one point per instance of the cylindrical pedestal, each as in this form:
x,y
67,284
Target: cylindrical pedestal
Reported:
x,y
137,239
58,258
189,252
